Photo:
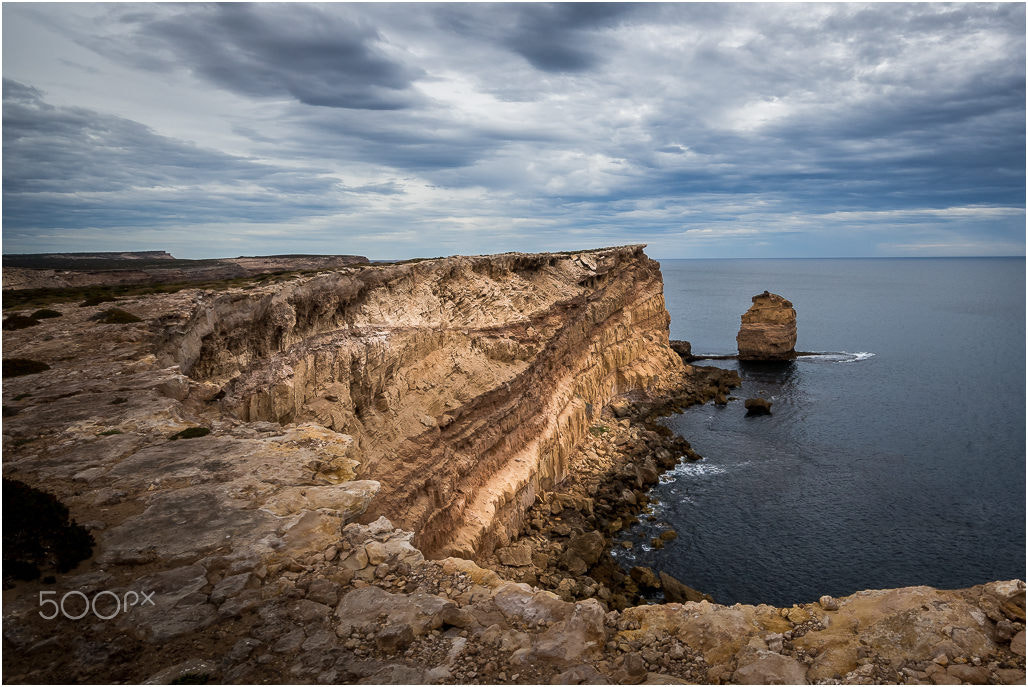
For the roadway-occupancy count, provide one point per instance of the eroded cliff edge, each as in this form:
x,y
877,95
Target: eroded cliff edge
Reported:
x,y
465,381
444,393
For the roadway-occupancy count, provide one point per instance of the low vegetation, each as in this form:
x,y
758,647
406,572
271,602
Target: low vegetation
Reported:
x,y
190,433
18,367
97,294
97,300
115,316
38,534
19,322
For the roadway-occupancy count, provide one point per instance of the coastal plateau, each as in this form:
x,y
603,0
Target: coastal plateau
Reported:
x,y
406,473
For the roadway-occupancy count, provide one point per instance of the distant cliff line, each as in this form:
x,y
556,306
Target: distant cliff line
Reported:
x,y
70,270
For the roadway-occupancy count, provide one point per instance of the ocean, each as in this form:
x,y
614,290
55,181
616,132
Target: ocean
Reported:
x,y
894,458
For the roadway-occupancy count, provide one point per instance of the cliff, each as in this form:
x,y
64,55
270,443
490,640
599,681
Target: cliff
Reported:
x,y
287,470
465,381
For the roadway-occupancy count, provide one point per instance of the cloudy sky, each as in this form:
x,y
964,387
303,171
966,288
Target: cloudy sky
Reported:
x,y
393,131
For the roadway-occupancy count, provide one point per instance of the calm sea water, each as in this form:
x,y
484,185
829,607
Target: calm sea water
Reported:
x,y
895,459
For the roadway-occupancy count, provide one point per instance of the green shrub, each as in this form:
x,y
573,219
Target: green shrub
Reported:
x,y
598,430
45,313
190,433
109,432
19,322
17,367
115,316
38,534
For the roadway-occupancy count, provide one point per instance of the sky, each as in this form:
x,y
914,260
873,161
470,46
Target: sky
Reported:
x,y
405,130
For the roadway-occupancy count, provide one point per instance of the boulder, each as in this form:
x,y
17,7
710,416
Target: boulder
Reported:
x,y
973,675
1013,607
758,406
518,556
768,668
647,472
644,577
768,330
682,348
360,610
582,635
588,547
1017,643
520,602
676,592
621,408
828,603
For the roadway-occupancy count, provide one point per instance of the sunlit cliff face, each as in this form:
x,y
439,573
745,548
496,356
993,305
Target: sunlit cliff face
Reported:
x,y
466,382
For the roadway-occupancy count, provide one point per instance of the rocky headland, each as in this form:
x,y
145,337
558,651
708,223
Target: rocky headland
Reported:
x,y
406,473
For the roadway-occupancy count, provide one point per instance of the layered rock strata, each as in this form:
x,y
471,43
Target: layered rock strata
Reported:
x,y
258,534
467,381
768,330
567,541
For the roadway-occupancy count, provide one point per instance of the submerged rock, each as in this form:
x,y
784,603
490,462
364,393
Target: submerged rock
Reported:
x,y
768,330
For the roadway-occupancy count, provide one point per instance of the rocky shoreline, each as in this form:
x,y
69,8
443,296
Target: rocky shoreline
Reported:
x,y
565,545
298,474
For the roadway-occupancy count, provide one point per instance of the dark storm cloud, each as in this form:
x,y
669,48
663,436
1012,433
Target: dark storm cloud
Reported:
x,y
554,37
405,140
560,37
304,51
74,167
527,125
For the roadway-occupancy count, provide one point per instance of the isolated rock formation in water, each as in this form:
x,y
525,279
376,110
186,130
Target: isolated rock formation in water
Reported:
x,y
768,330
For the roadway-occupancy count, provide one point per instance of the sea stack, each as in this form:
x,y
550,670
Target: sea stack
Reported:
x,y
768,330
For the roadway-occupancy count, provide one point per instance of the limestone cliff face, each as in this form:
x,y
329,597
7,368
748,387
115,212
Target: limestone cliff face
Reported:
x,y
466,381
768,330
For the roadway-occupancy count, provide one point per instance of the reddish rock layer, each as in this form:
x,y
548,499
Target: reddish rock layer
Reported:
x,y
466,381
